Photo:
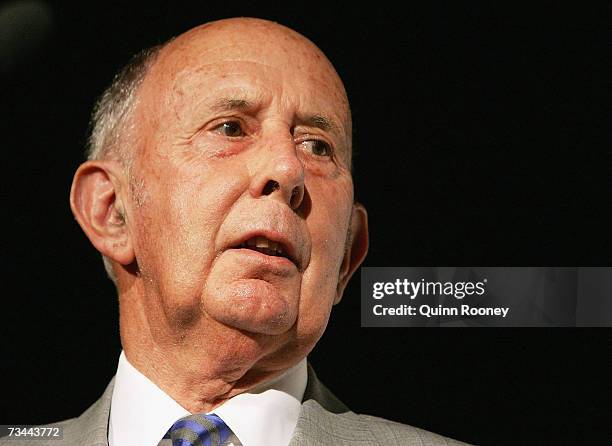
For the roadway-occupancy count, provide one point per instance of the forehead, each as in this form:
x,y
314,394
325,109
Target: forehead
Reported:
x,y
259,64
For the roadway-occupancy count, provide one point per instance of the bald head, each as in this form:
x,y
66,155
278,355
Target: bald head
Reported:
x,y
249,40
244,38
215,55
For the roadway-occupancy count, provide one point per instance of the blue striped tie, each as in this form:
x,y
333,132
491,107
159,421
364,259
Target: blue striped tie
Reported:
x,y
198,430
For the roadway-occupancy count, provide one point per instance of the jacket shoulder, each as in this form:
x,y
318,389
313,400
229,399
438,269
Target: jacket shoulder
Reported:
x,y
318,426
403,434
325,420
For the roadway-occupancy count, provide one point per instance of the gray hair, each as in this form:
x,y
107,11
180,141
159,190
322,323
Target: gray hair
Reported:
x,y
110,120
113,108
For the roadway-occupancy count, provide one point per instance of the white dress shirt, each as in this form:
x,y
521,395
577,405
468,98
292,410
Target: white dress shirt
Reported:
x,y
141,413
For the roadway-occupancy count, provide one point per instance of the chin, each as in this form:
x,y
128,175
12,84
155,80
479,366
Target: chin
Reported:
x,y
254,305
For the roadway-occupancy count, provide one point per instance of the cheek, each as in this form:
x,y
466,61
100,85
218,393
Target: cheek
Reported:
x,y
328,226
176,225
332,204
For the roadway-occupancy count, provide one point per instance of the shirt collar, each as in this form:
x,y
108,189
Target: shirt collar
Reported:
x,y
267,414
141,413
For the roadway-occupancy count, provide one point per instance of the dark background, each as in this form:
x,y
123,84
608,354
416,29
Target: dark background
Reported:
x,y
481,137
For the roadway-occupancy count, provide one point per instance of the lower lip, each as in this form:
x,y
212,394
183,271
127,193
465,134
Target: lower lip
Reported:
x,y
273,261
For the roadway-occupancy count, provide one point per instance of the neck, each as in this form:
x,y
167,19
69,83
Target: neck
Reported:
x,y
198,392
201,366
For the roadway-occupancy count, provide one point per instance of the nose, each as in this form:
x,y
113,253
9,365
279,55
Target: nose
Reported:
x,y
280,174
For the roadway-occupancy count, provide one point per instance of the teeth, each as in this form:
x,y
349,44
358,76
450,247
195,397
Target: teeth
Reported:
x,y
264,243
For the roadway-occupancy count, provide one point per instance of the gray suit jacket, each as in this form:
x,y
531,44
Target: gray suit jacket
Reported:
x,y
323,421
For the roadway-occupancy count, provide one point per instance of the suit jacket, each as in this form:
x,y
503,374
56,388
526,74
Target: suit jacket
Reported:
x,y
323,421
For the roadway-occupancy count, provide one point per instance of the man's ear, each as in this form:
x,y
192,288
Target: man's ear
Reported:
x,y
96,203
357,248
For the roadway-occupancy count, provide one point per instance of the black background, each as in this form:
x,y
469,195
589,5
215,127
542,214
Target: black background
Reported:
x,y
481,137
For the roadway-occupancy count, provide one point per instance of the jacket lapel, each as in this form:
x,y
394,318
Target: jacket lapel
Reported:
x,y
321,421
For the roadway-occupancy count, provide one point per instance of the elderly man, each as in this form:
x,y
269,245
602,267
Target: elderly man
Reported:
x,y
219,191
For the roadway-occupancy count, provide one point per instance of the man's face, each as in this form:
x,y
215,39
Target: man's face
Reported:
x,y
241,190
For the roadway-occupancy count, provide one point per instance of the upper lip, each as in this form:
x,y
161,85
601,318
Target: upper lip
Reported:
x,y
288,247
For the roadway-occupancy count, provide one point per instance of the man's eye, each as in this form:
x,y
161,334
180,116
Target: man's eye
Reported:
x,y
318,147
230,128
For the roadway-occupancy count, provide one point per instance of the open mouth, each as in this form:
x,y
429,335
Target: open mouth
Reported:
x,y
266,246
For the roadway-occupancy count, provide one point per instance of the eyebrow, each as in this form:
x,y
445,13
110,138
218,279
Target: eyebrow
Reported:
x,y
228,104
315,120
320,122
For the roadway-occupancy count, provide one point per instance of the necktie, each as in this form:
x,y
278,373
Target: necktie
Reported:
x,y
198,430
